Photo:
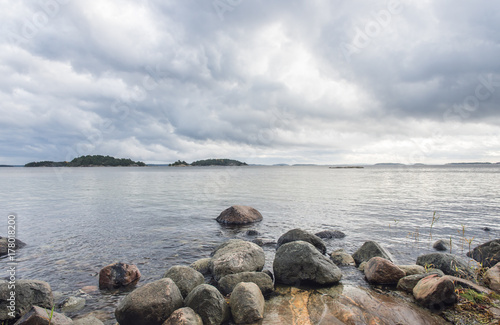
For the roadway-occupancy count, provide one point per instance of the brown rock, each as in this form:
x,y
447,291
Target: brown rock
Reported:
x,y
40,316
118,275
184,316
435,292
382,271
412,269
492,278
239,215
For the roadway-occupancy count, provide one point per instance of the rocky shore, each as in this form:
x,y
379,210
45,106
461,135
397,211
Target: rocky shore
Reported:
x,y
304,287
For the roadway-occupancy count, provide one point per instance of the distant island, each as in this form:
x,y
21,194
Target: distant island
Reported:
x,y
209,162
88,161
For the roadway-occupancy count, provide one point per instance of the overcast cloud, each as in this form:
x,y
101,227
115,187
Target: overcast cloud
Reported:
x,y
295,81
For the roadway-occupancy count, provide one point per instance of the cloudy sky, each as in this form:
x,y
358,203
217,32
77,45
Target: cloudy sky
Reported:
x,y
295,81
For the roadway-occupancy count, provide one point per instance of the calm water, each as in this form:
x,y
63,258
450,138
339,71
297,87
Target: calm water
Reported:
x,y
77,220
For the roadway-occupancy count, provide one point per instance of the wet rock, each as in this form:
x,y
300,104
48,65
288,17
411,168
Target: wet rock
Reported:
x,y
252,232
341,258
4,245
271,275
329,234
209,303
412,269
298,261
72,304
118,275
339,305
448,263
379,270
464,283
299,234
247,303
185,277
261,279
488,254
87,320
204,266
362,266
184,316
236,256
435,292
150,304
441,245
368,250
29,293
239,215
409,282
492,278
486,229
38,316
258,241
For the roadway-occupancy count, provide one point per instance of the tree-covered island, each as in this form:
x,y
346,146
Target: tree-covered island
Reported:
x,y
88,161
209,162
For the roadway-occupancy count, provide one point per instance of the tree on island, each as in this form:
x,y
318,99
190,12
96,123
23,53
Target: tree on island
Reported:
x,y
88,161
210,162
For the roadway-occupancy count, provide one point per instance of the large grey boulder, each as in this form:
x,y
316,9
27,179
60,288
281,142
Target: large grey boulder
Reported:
x,y
185,277
247,303
488,254
150,304
435,292
261,279
236,256
299,261
209,303
448,263
368,250
184,316
299,234
40,316
29,293
239,215
118,275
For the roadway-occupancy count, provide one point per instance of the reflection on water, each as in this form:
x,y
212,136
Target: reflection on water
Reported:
x,y
77,221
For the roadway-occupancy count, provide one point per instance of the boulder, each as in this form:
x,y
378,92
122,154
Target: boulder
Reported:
x,y
184,316
299,261
435,292
247,303
341,258
209,303
236,256
299,234
204,266
150,304
409,282
412,269
261,279
29,293
40,316
448,263
368,250
4,245
379,270
441,245
252,232
88,320
118,275
185,278
329,234
72,304
488,254
492,278
239,215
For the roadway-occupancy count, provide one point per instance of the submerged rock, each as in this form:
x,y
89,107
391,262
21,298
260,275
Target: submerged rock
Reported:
x,y
118,275
368,250
300,262
488,254
329,234
299,234
236,256
239,215
441,245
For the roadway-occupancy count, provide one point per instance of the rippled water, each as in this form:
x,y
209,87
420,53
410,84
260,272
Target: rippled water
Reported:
x,y
77,220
